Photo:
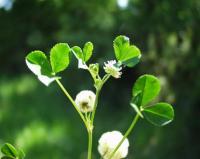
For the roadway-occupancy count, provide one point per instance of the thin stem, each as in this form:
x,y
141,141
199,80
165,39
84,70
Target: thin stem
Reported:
x,y
89,144
95,105
126,135
71,100
90,126
105,78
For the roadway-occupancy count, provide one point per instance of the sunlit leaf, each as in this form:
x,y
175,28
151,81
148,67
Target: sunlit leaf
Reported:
x,y
59,57
87,51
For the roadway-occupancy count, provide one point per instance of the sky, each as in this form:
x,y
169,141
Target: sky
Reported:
x,y
6,4
122,3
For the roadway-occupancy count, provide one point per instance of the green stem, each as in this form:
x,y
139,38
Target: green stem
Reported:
x,y
95,105
126,135
105,78
90,144
71,100
90,127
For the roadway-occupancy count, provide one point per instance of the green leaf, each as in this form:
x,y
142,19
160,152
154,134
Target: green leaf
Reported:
x,y
38,63
159,114
85,54
78,52
39,58
132,62
125,53
9,150
147,87
59,57
137,99
135,107
87,51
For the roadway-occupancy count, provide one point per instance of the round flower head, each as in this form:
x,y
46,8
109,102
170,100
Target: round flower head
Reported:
x,y
109,141
111,68
85,101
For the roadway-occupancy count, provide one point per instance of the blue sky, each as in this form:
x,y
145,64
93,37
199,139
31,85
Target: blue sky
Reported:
x,y
7,4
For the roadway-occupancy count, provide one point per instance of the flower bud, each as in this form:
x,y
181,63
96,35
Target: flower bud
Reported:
x,y
109,141
94,68
85,101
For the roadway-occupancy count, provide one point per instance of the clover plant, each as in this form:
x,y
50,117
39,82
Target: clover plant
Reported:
x,y
112,145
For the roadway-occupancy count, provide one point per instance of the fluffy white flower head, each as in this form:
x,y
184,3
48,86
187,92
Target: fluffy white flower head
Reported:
x,y
111,68
85,101
109,141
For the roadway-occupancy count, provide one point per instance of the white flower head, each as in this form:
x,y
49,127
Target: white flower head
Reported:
x,y
109,141
111,68
85,101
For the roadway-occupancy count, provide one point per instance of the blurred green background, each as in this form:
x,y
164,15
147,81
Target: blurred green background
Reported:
x,y
41,120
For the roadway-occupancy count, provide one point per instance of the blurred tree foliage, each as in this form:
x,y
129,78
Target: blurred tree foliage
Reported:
x,y
168,34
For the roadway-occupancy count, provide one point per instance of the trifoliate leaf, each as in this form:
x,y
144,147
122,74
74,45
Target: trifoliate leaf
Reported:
x,y
125,53
159,114
147,87
59,57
